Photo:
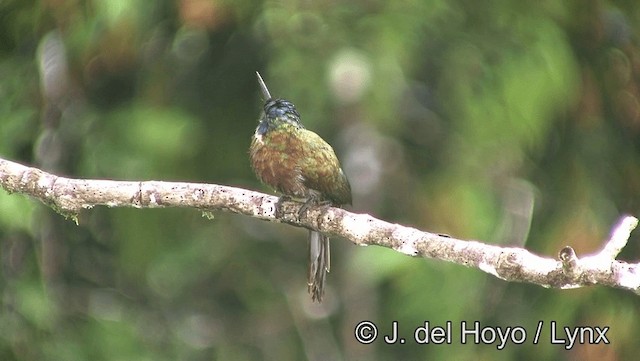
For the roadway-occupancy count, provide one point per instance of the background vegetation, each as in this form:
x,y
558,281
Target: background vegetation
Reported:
x,y
510,122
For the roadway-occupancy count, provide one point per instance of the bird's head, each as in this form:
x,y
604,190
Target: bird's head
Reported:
x,y
277,112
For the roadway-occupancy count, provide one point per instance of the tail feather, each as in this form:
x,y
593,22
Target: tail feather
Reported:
x,y
319,264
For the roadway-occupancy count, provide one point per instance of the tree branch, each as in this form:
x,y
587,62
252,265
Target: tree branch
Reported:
x,y
69,196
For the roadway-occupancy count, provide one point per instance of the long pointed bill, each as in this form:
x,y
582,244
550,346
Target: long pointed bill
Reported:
x,y
263,88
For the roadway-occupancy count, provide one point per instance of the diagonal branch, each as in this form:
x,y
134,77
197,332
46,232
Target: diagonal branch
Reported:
x,y
69,196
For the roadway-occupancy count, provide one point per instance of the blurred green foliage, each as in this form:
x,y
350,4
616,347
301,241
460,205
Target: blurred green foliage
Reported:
x,y
515,123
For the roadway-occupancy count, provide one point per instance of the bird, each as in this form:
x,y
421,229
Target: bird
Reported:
x,y
302,166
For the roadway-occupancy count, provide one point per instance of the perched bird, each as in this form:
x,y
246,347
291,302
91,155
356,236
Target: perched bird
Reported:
x,y
299,164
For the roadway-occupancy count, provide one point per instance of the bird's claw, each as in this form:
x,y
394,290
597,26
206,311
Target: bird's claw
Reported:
x,y
281,200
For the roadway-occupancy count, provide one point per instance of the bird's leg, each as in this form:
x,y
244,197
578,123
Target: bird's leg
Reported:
x,y
281,200
313,200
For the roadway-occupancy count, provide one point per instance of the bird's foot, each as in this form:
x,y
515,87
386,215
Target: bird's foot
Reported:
x,y
282,199
313,200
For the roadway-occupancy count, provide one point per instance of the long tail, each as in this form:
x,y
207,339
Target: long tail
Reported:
x,y
319,264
